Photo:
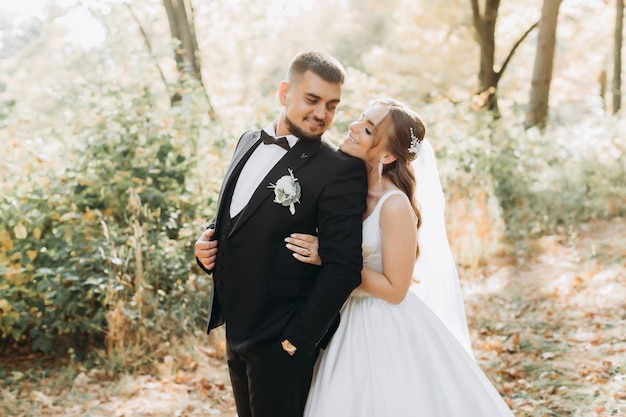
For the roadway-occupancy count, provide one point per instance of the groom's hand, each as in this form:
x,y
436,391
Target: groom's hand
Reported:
x,y
206,249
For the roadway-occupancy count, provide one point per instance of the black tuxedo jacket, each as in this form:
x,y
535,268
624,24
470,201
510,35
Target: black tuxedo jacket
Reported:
x,y
259,289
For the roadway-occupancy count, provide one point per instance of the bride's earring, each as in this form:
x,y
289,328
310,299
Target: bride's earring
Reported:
x,y
380,172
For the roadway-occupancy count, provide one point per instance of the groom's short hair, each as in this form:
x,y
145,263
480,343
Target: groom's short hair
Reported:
x,y
324,65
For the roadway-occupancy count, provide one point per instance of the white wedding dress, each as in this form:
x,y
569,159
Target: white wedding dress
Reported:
x,y
389,360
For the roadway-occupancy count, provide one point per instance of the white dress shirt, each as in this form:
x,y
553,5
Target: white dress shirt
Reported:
x,y
257,167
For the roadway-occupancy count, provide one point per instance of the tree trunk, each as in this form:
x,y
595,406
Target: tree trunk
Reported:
x,y
186,53
485,26
602,80
183,32
617,63
537,113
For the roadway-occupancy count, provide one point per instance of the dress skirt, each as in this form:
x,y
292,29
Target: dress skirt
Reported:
x,y
389,360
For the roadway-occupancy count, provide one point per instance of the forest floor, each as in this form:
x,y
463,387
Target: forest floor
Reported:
x,y
549,330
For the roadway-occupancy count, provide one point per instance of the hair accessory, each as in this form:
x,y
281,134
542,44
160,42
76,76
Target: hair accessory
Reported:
x,y
416,143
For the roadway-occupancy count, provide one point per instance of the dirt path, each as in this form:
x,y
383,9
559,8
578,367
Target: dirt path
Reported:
x,y
549,331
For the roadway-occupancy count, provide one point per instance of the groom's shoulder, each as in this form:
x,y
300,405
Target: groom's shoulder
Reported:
x,y
249,134
247,137
336,161
332,152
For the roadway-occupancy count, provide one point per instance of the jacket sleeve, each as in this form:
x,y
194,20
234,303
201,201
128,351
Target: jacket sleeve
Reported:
x,y
340,221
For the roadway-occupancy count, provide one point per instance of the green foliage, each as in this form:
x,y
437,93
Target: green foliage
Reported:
x,y
50,285
114,228
550,181
544,181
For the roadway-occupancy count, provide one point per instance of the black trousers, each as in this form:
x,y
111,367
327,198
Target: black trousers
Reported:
x,y
268,382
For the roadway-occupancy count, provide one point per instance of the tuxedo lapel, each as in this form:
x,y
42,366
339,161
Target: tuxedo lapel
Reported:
x,y
242,154
298,155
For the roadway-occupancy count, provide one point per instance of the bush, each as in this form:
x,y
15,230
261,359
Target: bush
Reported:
x,y
106,244
543,181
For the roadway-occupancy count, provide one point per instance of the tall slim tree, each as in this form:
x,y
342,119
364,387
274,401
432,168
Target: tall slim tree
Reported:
x,y
617,62
485,27
537,112
181,20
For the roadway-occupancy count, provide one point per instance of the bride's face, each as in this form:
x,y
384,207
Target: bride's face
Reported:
x,y
361,138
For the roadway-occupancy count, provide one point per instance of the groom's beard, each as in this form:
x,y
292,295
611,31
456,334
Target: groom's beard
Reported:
x,y
299,133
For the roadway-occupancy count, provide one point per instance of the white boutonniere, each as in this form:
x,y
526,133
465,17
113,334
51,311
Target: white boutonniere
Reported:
x,y
287,191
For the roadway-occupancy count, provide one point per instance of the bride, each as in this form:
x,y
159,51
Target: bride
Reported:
x,y
392,355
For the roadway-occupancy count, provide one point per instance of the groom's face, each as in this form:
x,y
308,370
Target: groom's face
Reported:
x,y
309,104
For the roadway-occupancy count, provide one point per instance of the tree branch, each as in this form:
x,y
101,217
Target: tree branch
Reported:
x,y
146,40
513,49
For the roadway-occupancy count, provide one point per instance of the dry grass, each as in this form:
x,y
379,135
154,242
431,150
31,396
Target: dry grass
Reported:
x,y
188,378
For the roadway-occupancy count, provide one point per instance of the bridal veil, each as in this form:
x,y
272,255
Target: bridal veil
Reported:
x,y
435,268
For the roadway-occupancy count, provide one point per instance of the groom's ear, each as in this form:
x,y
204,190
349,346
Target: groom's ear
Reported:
x,y
283,90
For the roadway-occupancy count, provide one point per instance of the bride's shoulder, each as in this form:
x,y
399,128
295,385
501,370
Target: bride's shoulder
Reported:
x,y
396,213
394,202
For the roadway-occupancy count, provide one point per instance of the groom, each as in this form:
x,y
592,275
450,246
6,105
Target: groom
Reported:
x,y
279,311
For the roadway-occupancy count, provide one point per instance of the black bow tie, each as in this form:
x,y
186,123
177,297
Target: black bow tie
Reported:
x,y
271,140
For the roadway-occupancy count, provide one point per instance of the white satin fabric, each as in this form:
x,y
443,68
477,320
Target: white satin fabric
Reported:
x,y
435,268
389,360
